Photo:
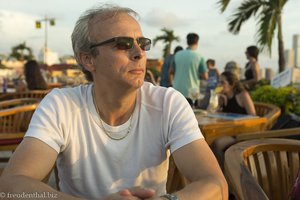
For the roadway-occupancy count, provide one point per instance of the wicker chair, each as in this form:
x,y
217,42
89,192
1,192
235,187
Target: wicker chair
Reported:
x,y
39,94
269,111
262,169
14,121
281,133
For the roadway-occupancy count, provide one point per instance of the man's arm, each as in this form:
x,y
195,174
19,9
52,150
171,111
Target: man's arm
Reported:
x,y
204,76
30,163
171,75
198,164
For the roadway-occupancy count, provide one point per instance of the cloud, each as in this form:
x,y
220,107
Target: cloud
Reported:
x,y
17,27
160,18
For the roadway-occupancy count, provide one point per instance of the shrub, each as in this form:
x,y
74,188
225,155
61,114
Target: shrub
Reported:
x,y
287,98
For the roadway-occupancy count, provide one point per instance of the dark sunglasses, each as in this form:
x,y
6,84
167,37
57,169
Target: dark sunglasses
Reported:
x,y
125,43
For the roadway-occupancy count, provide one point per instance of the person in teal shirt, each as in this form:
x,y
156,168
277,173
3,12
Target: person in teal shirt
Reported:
x,y
189,66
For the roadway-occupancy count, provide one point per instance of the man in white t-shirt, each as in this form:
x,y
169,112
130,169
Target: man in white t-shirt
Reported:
x,y
110,138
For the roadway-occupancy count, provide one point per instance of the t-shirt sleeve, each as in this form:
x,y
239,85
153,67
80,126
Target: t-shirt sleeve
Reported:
x,y
182,123
45,123
202,66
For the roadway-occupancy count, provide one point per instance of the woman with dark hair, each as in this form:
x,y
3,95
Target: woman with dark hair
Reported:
x,y
252,68
33,76
234,98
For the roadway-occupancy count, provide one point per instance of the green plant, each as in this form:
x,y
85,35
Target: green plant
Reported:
x,y
287,98
167,38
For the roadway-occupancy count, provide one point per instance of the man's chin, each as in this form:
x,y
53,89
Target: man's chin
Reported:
x,y
140,82
134,84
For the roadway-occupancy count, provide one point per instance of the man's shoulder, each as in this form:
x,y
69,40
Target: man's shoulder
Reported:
x,y
188,53
68,96
70,91
156,95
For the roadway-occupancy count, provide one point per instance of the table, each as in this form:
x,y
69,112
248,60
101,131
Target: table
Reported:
x,y
213,128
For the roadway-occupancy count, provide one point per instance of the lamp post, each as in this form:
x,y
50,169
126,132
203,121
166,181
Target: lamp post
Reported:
x,y
38,25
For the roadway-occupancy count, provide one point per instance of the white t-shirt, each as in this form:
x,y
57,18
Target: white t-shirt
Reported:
x,y
92,165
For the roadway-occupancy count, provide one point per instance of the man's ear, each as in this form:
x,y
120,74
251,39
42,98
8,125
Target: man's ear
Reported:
x,y
87,61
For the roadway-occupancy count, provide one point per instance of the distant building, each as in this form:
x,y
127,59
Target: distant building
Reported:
x,y
68,59
296,48
292,56
50,58
269,74
12,63
296,75
289,56
262,73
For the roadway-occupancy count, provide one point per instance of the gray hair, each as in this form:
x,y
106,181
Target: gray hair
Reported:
x,y
81,39
233,67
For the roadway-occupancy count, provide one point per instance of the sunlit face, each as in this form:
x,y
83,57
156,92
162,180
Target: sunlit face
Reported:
x,y
225,84
125,68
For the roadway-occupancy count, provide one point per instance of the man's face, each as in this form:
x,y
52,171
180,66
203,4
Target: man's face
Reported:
x,y
126,68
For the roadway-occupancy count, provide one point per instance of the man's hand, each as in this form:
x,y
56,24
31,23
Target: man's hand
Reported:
x,y
135,193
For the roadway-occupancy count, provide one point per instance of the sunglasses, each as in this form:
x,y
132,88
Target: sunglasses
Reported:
x,y
125,43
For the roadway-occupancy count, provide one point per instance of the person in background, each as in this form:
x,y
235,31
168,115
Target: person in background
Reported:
x,y
112,138
233,67
189,66
212,82
234,98
33,76
252,73
165,79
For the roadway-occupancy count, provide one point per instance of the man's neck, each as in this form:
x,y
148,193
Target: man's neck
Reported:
x,y
193,46
115,107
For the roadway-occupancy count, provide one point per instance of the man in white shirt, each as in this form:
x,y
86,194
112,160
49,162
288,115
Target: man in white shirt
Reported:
x,y
110,138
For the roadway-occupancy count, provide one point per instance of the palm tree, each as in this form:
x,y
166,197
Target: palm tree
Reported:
x,y
168,37
22,52
269,16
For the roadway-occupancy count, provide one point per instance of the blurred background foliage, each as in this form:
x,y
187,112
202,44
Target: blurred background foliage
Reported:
x,y
287,98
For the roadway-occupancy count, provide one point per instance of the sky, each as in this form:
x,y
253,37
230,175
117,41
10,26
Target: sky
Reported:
x,y
17,25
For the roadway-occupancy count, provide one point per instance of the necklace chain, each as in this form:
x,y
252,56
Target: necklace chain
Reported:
x,y
98,112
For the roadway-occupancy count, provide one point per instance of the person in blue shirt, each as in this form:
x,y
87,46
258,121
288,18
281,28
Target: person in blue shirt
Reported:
x,y
165,80
189,67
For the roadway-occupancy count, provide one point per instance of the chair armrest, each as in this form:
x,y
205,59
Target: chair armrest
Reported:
x,y
269,134
239,177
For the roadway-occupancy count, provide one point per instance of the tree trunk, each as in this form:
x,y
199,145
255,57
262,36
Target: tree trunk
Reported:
x,y
281,60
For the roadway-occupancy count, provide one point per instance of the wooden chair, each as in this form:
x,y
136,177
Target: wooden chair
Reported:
x,y
150,77
291,132
262,169
176,181
17,102
14,121
39,94
269,111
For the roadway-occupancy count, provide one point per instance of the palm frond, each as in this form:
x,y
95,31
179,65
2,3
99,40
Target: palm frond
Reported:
x,y
223,4
282,3
244,12
159,38
267,25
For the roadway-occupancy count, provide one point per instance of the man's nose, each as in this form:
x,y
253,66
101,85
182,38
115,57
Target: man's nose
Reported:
x,y
137,52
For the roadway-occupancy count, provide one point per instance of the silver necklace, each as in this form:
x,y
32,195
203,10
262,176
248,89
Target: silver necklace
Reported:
x,y
98,112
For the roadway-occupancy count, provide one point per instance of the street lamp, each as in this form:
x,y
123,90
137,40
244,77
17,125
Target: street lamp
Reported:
x,y
38,25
